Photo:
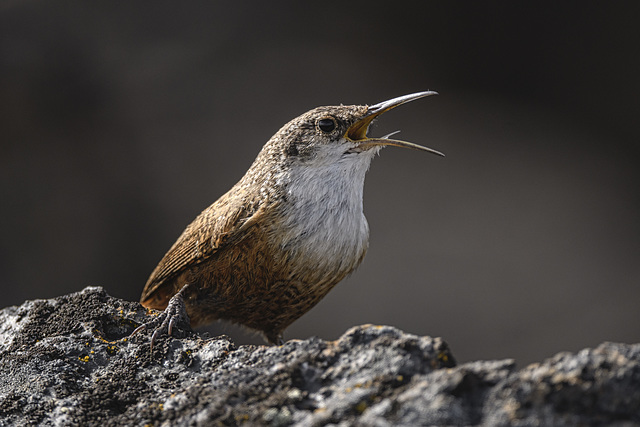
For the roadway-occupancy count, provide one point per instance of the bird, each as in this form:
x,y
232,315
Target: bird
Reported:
x,y
283,236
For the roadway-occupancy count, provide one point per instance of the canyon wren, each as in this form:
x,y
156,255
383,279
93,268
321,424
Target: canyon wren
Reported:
x,y
271,248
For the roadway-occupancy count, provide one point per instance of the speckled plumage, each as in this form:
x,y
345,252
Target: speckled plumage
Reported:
x,y
273,246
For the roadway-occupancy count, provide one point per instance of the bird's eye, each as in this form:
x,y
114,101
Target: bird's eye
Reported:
x,y
326,125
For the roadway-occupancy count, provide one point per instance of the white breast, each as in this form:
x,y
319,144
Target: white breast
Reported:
x,y
325,220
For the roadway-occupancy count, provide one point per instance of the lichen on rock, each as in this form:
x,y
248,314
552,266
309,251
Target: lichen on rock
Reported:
x,y
70,361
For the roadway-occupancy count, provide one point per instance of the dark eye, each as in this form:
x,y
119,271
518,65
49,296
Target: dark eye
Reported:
x,y
326,125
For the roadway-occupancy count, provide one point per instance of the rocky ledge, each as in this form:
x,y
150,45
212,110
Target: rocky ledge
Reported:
x,y
68,361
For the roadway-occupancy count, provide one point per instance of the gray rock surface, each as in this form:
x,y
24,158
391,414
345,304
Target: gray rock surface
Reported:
x,y
68,361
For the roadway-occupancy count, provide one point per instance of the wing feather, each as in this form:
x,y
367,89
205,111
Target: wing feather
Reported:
x,y
224,223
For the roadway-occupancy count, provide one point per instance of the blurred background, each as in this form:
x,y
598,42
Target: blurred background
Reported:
x,y
121,121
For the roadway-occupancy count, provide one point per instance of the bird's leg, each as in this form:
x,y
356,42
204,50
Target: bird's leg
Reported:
x,y
176,312
274,337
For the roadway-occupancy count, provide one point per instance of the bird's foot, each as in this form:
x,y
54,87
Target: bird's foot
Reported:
x,y
175,314
274,337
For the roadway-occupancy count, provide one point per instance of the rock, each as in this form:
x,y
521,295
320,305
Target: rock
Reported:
x,y
69,361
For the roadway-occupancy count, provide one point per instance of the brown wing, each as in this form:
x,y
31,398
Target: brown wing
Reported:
x,y
225,222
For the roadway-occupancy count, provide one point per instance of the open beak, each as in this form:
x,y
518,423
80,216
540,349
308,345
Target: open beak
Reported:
x,y
357,132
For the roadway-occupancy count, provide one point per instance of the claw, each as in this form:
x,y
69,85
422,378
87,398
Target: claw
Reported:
x,y
172,322
138,329
175,312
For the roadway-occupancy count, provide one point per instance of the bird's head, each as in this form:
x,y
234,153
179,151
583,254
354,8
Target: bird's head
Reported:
x,y
338,134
